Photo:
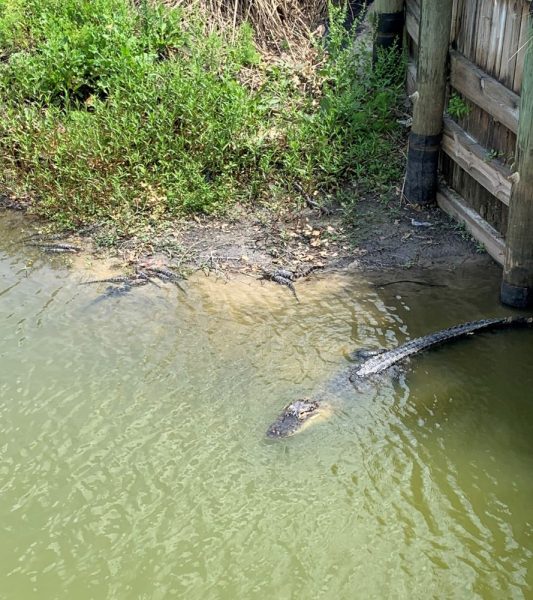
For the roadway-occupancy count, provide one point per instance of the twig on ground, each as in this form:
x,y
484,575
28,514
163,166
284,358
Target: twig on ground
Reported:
x,y
412,281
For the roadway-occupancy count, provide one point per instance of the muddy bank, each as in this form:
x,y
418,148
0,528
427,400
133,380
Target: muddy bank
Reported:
x,y
382,236
373,236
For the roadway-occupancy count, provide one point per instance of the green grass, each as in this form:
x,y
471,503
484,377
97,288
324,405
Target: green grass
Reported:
x,y
111,112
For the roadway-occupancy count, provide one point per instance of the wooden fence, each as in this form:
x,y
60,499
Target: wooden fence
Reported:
x,y
479,137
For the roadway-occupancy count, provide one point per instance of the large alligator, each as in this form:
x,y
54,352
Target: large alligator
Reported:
x,y
300,412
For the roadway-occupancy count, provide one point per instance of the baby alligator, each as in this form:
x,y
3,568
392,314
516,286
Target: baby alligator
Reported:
x,y
297,413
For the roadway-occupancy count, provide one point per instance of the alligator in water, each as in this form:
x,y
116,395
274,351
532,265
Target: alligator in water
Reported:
x,y
112,291
281,277
296,414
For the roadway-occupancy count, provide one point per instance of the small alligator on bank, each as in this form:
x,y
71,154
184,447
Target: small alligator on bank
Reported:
x,y
287,278
51,248
123,284
296,414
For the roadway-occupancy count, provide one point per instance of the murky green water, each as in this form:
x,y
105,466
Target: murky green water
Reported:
x,y
133,462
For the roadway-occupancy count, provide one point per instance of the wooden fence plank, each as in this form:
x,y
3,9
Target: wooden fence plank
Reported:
x,y
412,22
474,159
517,84
411,77
458,40
486,70
456,207
484,30
499,17
510,43
466,42
485,91
456,19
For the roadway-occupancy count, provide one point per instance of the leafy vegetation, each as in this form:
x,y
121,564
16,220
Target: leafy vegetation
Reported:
x,y
112,111
457,107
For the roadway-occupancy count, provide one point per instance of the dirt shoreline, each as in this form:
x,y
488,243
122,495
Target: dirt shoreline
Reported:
x,y
382,237
372,236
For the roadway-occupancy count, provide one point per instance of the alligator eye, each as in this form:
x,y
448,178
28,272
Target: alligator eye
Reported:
x,y
306,411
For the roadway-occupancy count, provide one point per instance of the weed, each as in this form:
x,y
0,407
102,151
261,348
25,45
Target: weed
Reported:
x,y
121,114
493,154
461,230
458,227
457,107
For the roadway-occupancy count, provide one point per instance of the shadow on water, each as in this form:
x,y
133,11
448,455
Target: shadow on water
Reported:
x,y
134,464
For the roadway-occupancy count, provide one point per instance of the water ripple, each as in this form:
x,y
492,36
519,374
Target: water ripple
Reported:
x,y
133,462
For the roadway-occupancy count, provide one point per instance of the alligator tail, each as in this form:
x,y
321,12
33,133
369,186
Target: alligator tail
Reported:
x,y
383,361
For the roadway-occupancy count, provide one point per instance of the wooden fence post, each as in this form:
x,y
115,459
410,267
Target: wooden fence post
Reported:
x,y
389,27
517,284
424,140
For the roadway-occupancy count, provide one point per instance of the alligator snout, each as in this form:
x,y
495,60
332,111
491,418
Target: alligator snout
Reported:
x,y
292,418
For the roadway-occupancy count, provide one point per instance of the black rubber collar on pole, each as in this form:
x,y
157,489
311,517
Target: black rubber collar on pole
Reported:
x,y
422,162
355,10
515,295
389,31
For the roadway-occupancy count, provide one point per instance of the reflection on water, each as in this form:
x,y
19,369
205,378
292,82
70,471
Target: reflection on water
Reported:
x,y
133,462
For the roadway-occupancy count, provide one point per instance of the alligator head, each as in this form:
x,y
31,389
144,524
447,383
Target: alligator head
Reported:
x,y
292,417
